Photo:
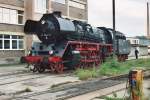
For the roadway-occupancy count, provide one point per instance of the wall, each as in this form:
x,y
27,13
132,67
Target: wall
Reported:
x,y
18,3
7,56
77,13
10,27
143,51
59,7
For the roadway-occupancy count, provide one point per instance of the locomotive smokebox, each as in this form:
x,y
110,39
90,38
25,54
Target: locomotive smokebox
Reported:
x,y
50,27
31,27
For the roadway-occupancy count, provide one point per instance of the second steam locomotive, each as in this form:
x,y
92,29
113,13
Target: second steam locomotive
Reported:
x,y
71,44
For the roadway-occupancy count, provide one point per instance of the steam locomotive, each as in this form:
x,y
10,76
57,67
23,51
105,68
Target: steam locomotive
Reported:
x,y
71,44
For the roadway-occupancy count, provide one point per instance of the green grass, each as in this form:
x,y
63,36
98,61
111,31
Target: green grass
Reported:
x,y
112,67
113,98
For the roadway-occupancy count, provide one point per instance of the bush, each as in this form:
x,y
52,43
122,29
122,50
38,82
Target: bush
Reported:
x,y
112,67
84,74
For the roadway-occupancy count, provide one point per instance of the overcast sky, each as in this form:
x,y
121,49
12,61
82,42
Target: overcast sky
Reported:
x,y
130,15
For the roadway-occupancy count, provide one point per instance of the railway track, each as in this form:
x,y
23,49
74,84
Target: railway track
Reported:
x,y
14,73
13,80
14,76
72,90
25,77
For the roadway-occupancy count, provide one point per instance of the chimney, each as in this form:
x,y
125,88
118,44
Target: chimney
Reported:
x,y
148,34
57,13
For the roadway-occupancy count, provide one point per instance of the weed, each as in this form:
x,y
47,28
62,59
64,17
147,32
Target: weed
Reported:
x,y
24,90
112,67
94,72
115,94
84,74
27,90
113,98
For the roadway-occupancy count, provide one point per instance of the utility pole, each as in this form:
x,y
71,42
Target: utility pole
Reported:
x,y
114,27
148,34
68,9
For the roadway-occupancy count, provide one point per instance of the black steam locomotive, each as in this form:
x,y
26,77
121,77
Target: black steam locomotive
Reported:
x,y
71,44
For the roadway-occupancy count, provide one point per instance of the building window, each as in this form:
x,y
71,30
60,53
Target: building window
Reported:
x,y
1,44
14,44
40,6
76,5
6,41
1,41
13,16
10,16
20,17
135,41
21,44
60,1
1,14
6,15
11,42
6,44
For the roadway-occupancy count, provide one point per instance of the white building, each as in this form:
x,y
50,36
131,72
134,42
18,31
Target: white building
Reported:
x,y
141,43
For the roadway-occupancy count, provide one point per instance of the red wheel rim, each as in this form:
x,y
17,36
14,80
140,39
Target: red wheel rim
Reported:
x,y
52,66
59,68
